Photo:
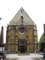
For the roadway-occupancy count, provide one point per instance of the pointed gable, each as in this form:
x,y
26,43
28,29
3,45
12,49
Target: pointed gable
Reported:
x,y
17,18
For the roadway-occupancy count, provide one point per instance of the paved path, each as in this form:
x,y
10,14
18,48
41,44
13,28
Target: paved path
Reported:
x,y
25,57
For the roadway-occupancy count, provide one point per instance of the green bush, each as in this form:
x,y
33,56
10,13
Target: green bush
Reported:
x,y
41,41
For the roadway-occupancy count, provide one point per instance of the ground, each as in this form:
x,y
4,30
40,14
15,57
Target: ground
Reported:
x,y
32,56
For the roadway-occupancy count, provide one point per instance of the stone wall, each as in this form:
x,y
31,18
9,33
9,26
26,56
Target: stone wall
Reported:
x,y
14,35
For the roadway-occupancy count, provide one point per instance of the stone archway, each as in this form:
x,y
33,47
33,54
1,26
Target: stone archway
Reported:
x,y
22,45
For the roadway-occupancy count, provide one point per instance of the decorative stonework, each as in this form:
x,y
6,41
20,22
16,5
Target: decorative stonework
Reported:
x,y
15,33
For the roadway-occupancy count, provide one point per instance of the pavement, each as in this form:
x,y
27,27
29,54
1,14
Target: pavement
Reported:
x,y
32,56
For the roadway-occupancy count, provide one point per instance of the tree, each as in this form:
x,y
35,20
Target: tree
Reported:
x,y
41,43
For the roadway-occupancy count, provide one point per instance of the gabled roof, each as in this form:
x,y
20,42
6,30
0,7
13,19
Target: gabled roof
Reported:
x,y
17,18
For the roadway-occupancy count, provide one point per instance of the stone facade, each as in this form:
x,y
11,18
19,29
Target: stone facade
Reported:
x,y
21,34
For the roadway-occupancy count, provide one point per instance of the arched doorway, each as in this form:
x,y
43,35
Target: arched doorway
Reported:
x,y
22,45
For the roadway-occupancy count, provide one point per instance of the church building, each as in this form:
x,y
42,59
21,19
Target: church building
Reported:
x,y
21,35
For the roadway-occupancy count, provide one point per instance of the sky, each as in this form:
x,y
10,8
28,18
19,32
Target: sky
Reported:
x,y
34,8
